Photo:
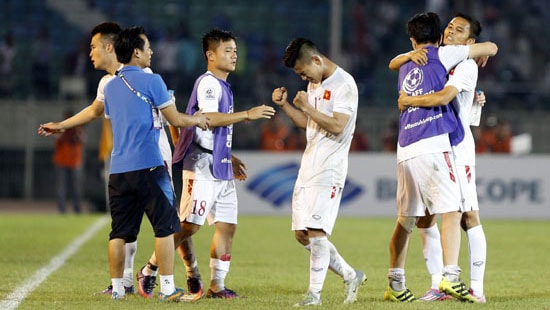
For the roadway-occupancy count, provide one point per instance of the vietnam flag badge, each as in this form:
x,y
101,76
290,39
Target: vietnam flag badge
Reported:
x,y
326,95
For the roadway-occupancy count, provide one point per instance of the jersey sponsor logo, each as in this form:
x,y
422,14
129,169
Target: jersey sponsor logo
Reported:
x,y
275,184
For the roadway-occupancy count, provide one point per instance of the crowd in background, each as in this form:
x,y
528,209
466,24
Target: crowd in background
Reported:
x,y
44,56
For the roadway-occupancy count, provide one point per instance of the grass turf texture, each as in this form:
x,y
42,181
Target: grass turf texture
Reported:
x,y
268,266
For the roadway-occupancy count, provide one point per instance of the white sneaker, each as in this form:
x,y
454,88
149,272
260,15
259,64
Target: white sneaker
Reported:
x,y
309,300
353,286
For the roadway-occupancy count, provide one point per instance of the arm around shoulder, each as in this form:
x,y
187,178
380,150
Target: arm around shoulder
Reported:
x,y
483,49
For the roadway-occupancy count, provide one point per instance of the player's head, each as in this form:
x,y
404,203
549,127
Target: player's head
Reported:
x,y
462,29
220,49
102,41
424,28
132,43
303,56
108,31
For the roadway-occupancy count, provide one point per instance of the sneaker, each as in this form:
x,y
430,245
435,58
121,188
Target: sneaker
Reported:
x,y
116,296
195,290
402,296
434,295
480,299
353,286
225,294
457,290
146,284
309,300
109,290
175,296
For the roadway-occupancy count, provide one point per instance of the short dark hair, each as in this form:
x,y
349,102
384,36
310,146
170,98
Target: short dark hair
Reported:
x,y
297,50
475,25
108,30
212,39
128,40
424,28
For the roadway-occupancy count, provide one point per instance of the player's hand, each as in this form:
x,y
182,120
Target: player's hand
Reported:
x,y
261,111
480,97
419,56
279,96
481,61
49,129
239,168
301,99
402,101
202,121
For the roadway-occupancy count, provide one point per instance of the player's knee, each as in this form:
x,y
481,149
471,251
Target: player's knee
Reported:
x,y
469,220
302,237
407,222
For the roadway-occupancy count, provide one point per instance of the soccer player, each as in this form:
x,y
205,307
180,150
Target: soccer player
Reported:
x,y
464,30
208,167
426,173
327,111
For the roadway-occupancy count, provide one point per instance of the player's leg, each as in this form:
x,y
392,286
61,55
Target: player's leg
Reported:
x,y
130,249
223,214
433,256
409,208
186,251
471,224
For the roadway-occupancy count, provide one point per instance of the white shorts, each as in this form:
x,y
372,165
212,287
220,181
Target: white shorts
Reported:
x,y
427,182
315,207
212,200
467,182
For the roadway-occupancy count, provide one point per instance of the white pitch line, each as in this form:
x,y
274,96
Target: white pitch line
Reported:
x,y
13,300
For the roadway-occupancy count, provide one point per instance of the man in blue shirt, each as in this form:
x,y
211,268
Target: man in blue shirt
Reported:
x,y
138,181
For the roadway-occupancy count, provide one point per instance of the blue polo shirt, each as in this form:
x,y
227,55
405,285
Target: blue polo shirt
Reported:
x,y
135,138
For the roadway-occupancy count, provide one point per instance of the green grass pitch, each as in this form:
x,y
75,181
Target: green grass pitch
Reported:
x,y
268,266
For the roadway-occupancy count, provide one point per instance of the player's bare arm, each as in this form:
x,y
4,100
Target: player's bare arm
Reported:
x,y
440,98
418,56
83,117
482,49
334,124
218,119
280,98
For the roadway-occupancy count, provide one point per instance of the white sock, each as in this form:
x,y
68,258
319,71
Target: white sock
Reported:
x,y
452,272
396,276
477,246
118,286
318,262
130,250
433,253
167,286
337,263
218,271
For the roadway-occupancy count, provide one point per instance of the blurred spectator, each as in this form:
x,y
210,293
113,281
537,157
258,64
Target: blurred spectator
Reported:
x,y
495,137
273,135
360,141
187,60
41,58
296,140
389,136
8,50
166,58
67,159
